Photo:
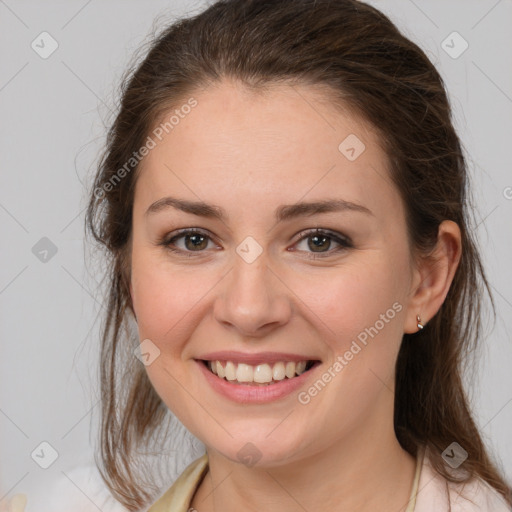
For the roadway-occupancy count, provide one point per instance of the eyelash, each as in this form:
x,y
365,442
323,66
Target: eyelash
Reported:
x,y
344,242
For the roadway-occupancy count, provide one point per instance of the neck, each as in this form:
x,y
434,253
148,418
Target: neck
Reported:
x,y
364,472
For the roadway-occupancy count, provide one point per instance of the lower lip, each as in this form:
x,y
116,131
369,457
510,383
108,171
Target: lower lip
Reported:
x,y
254,394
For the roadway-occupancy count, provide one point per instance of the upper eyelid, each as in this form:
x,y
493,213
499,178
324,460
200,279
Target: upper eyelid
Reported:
x,y
186,231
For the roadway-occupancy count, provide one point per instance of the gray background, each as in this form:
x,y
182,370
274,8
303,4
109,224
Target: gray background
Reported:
x,y
53,114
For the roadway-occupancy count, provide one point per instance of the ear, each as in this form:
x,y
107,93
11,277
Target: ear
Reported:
x,y
433,276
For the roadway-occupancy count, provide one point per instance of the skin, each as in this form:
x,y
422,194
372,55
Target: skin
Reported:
x,y
249,154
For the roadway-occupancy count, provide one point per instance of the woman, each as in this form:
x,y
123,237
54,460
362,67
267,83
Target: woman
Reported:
x,y
283,198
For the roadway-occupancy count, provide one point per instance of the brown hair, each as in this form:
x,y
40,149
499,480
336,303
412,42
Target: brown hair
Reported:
x,y
361,59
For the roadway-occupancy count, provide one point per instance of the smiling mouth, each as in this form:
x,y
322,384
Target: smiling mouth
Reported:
x,y
258,375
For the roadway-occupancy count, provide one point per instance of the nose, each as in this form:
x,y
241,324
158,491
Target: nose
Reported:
x,y
253,300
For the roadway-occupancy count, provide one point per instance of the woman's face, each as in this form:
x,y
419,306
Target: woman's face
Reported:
x,y
257,292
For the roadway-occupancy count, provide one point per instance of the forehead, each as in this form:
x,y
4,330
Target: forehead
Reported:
x,y
287,140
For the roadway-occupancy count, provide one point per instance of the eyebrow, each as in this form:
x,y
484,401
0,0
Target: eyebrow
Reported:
x,y
282,213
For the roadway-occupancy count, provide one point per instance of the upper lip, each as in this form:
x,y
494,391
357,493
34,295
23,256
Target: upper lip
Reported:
x,y
255,358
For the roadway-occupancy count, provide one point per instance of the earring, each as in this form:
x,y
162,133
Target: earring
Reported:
x,y
420,325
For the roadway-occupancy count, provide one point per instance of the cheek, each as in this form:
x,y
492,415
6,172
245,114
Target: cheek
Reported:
x,y
348,300
165,299
168,304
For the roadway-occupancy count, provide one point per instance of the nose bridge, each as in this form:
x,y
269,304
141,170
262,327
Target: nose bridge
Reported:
x,y
253,299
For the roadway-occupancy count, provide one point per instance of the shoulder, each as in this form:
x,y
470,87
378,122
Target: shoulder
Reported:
x,y
437,493
178,497
479,495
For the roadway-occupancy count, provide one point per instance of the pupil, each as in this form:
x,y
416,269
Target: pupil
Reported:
x,y
315,239
195,237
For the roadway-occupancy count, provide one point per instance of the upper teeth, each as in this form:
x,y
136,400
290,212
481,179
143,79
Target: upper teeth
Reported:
x,y
261,373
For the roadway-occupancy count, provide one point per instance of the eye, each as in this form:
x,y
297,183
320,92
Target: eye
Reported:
x,y
319,241
193,241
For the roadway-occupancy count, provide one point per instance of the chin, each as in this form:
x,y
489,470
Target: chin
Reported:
x,y
258,449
